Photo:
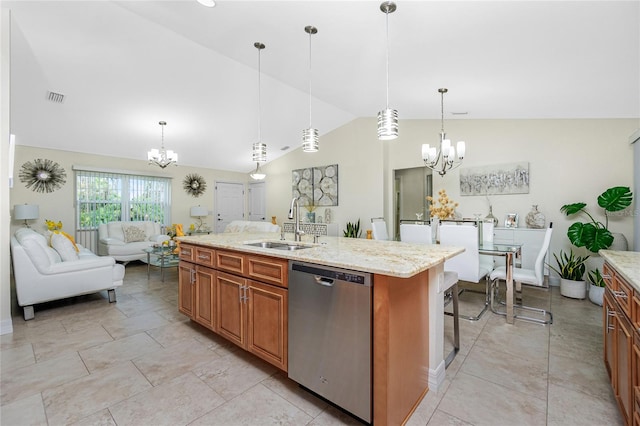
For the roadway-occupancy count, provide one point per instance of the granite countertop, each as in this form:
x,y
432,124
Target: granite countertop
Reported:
x,y
391,258
627,263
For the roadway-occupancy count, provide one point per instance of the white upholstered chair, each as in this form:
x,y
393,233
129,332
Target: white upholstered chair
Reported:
x,y
415,233
521,276
470,265
379,228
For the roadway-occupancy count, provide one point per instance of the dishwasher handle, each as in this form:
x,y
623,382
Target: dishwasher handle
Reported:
x,y
327,282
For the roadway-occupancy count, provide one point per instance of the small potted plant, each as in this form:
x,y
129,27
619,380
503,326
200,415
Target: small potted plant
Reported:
x,y
571,269
596,286
353,230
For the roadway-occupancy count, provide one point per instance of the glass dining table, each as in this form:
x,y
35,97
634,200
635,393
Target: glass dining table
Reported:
x,y
510,252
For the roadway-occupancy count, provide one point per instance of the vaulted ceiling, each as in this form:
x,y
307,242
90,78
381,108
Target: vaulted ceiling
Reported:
x,y
124,66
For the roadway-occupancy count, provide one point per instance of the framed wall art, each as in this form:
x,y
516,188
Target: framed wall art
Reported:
x,y
512,178
316,186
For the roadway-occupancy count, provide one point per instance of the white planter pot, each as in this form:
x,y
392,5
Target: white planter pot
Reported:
x,y
596,294
573,289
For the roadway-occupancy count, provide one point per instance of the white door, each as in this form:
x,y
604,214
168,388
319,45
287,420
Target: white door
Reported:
x,y
257,204
229,204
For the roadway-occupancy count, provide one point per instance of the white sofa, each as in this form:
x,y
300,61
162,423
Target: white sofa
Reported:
x,y
41,275
115,241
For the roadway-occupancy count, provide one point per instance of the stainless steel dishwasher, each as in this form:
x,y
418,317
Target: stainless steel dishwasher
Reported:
x,y
330,334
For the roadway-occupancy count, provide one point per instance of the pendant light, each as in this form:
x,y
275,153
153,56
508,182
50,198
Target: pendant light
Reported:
x,y
162,157
443,158
310,135
259,151
387,118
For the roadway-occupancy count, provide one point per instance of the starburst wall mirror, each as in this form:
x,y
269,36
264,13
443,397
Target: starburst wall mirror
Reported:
x,y
194,184
42,175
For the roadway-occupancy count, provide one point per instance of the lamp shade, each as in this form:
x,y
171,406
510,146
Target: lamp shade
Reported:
x,y
26,211
198,211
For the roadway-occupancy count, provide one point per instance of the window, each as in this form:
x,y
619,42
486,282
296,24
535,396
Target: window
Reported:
x,y
103,196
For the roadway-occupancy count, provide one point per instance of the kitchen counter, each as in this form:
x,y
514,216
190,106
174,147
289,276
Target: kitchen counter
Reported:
x,y
390,258
407,308
627,263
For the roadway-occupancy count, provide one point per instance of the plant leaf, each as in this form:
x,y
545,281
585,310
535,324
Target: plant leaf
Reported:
x,y
574,208
578,235
616,198
601,239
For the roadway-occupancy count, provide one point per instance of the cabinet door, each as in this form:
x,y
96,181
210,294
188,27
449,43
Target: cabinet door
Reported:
x,y
186,288
623,365
609,320
267,323
205,297
231,307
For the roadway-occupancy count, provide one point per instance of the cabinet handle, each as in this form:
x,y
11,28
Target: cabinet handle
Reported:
x,y
185,252
620,294
192,276
608,326
606,276
203,256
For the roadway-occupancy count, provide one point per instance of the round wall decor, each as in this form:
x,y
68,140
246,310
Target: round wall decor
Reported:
x,y
42,175
194,184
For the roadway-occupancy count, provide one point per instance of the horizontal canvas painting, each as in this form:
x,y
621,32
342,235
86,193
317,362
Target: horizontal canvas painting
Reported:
x,y
512,178
316,186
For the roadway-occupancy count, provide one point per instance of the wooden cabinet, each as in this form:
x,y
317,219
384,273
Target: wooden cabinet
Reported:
x,y
621,345
267,314
238,296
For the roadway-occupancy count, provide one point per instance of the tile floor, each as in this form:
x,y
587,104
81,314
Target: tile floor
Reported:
x,y
140,362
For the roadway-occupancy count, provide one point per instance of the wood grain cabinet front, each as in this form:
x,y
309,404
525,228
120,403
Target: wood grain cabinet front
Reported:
x,y
241,297
621,350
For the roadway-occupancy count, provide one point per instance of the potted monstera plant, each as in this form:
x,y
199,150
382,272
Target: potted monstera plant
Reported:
x,y
593,234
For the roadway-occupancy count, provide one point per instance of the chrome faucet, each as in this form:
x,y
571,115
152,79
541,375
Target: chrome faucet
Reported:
x,y
297,231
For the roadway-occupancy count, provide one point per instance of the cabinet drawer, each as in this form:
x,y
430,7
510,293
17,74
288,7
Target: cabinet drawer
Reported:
x,y
205,256
624,295
607,274
187,252
268,269
230,261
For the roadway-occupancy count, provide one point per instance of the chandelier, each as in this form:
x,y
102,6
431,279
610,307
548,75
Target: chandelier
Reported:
x,y
162,157
259,149
388,118
443,159
310,135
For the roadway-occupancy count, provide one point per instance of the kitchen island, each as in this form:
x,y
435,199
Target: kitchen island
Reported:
x,y
408,319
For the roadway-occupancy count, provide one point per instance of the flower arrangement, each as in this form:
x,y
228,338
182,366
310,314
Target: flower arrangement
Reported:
x,y
53,226
446,208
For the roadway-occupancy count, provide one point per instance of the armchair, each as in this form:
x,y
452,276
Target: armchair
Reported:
x,y
125,241
42,276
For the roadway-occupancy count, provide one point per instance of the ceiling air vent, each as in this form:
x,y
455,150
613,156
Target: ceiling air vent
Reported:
x,y
55,97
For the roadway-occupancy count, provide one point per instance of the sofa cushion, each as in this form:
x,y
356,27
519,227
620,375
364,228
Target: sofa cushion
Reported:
x,y
36,246
115,230
65,248
133,233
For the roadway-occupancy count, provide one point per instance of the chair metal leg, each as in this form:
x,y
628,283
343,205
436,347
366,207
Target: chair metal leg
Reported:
x,y
456,326
519,305
28,312
486,301
112,295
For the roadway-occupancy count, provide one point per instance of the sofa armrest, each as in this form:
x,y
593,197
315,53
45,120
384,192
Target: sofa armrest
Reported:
x,y
81,264
112,241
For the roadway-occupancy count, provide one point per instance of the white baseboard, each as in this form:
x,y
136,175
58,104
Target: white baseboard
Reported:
x,y
6,326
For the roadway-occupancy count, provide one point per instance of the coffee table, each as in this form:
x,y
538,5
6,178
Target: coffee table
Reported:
x,y
161,257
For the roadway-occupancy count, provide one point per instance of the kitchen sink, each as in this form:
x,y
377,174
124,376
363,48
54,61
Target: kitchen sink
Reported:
x,y
278,246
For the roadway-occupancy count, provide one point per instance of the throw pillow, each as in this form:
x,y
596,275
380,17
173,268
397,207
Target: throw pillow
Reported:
x,y
64,247
133,234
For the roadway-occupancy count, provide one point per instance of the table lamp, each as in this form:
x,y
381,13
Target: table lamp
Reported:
x,y
26,212
199,212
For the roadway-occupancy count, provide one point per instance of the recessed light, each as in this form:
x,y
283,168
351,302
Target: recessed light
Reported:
x,y
284,148
208,3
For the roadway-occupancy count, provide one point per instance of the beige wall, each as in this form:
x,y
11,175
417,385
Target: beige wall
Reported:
x,y
569,161
58,205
